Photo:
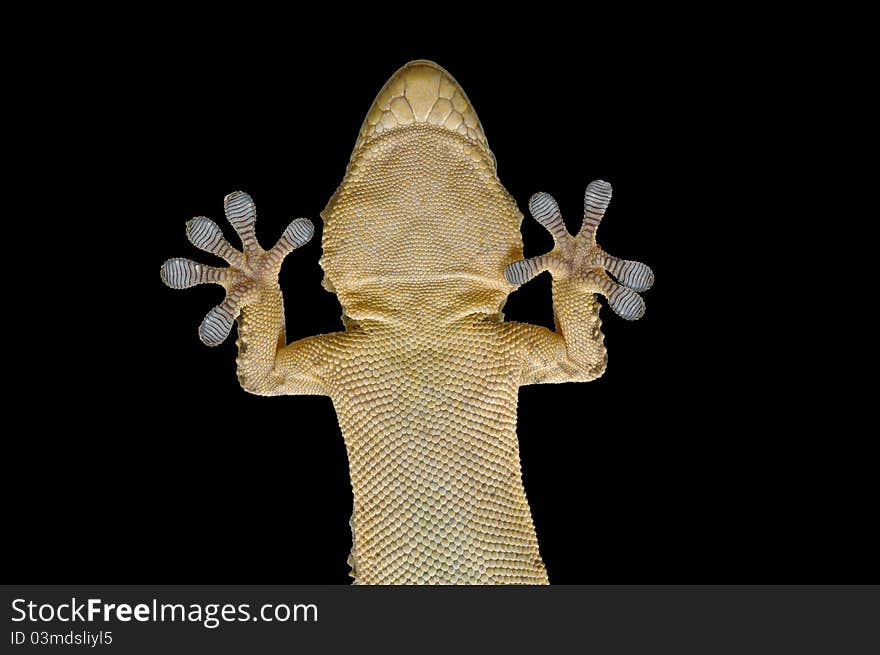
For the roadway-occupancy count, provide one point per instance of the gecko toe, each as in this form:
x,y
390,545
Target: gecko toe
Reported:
x,y
241,212
217,324
626,303
297,234
635,275
206,235
545,210
182,273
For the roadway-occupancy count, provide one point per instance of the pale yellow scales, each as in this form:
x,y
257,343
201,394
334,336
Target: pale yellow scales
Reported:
x,y
422,246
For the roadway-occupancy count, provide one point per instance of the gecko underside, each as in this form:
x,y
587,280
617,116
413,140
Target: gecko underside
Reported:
x,y
421,244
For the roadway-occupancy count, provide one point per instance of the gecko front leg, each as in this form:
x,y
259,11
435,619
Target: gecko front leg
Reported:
x,y
265,365
580,269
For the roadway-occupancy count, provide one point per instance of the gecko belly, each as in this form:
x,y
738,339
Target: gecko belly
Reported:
x,y
435,468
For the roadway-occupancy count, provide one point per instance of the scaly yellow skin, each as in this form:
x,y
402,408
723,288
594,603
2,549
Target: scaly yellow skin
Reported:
x,y
425,376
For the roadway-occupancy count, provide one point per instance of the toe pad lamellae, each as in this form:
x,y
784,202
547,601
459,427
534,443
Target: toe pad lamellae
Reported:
x,y
580,256
247,269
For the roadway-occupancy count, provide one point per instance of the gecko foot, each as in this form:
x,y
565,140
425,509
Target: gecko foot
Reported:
x,y
249,270
579,257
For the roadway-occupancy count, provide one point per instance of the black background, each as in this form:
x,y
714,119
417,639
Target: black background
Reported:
x,y
693,460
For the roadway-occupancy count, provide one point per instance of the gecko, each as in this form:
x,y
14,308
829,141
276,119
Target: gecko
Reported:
x,y
422,245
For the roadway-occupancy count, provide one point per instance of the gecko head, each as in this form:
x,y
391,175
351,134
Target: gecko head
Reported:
x,y
420,207
421,92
